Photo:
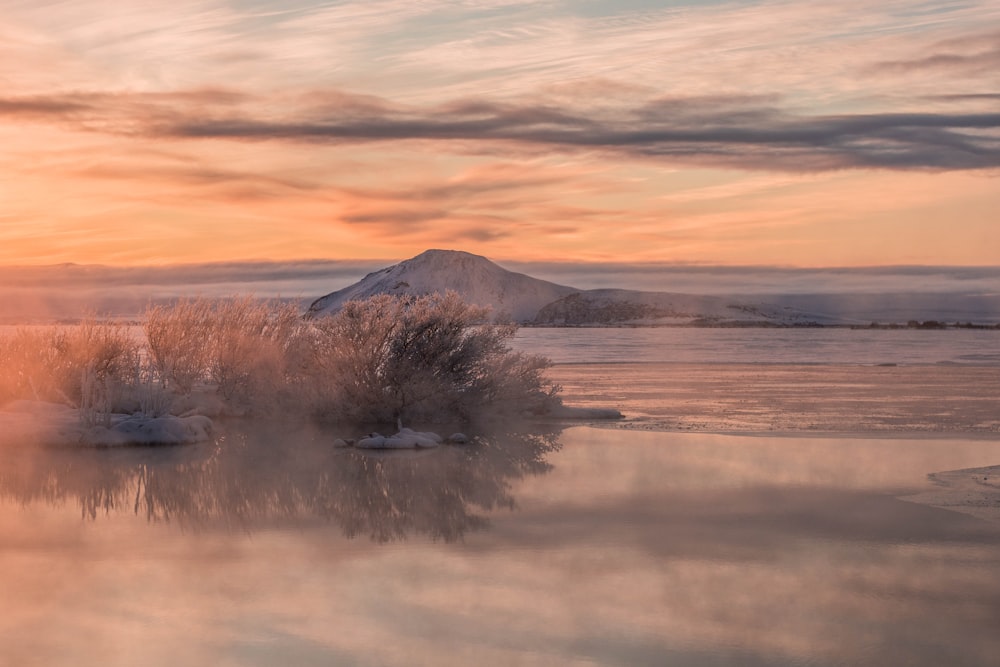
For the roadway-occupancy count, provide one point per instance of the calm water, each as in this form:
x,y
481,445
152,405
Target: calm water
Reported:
x,y
581,546
576,547
806,346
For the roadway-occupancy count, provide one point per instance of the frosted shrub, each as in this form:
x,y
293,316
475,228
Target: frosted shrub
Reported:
x,y
252,347
427,358
88,366
177,337
106,356
245,348
147,391
21,357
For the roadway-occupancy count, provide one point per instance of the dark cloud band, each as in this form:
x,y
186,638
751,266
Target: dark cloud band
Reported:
x,y
733,132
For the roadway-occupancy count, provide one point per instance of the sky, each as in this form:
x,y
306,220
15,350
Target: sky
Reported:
x,y
780,133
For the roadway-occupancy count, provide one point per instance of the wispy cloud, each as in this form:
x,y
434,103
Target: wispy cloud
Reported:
x,y
972,56
729,131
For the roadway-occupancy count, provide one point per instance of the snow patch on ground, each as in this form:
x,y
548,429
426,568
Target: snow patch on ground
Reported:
x,y
406,438
53,424
973,491
139,430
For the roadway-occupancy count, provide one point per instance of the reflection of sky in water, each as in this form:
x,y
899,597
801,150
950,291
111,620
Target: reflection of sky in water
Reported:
x,y
634,548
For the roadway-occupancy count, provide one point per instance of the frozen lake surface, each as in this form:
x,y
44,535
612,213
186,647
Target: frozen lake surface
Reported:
x,y
753,345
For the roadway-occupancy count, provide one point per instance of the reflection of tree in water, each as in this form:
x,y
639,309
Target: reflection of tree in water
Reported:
x,y
434,493
256,477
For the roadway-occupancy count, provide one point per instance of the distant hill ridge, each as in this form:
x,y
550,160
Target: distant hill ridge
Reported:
x,y
529,300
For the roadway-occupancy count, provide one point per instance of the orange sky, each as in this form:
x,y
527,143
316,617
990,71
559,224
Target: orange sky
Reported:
x,y
730,133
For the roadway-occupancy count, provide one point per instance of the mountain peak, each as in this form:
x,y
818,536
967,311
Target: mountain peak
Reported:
x,y
437,253
475,278
444,259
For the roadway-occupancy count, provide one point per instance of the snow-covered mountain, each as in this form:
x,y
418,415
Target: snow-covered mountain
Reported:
x,y
476,279
531,301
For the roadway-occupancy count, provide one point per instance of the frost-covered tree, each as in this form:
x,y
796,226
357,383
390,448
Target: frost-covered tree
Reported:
x,y
423,358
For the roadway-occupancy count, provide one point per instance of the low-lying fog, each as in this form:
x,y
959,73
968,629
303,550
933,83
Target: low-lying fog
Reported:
x,y
70,291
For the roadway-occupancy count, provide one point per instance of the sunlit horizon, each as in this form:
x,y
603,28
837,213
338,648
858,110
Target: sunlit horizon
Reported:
x,y
740,133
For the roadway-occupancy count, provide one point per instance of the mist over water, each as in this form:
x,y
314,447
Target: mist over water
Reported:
x,y
69,291
762,280
72,291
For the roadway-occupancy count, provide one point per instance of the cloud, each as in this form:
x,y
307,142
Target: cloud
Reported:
x,y
225,182
432,226
398,217
353,128
974,97
744,132
984,61
182,275
481,233
689,130
41,106
971,55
